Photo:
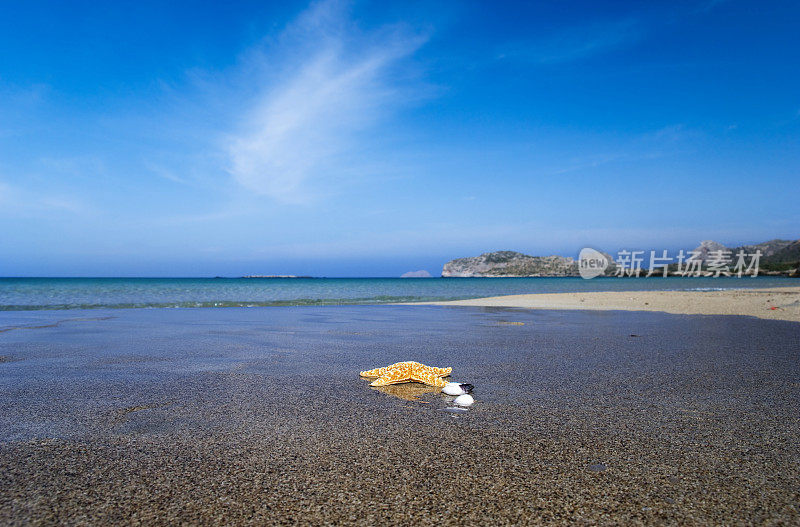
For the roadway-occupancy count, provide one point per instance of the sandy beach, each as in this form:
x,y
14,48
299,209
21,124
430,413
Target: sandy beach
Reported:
x,y
774,303
241,416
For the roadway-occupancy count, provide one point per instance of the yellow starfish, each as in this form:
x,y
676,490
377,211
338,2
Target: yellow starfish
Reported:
x,y
408,371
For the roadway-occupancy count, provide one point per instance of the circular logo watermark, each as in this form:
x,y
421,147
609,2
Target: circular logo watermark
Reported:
x,y
591,263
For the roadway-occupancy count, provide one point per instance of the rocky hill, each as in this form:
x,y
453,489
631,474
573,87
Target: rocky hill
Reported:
x,y
707,246
773,250
789,253
510,264
777,257
416,274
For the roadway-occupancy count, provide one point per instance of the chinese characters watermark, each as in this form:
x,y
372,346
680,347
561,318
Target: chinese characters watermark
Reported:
x,y
713,264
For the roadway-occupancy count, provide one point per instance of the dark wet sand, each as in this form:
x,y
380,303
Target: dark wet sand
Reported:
x,y
258,416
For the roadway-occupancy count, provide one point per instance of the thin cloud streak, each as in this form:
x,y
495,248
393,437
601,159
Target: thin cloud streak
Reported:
x,y
576,43
16,202
305,131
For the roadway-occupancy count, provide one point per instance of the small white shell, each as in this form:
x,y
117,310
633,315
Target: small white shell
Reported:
x,y
453,388
464,400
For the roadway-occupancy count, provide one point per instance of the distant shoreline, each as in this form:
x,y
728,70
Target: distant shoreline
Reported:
x,y
778,303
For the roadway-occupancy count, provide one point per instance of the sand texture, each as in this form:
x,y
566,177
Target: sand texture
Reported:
x,y
259,416
775,303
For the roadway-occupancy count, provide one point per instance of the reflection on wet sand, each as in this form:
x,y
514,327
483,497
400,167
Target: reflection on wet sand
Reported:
x,y
409,391
55,324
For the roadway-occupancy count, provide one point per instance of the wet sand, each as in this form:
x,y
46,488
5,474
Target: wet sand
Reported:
x,y
258,416
781,303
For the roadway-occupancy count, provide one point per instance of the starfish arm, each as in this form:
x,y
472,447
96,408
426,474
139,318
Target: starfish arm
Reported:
x,y
442,372
391,378
429,379
430,370
377,372
401,373
381,381
380,372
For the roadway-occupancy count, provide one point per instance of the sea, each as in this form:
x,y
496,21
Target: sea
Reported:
x,y
26,294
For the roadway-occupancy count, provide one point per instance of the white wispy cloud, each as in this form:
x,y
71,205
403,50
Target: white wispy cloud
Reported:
x,y
17,202
708,5
329,85
576,43
658,143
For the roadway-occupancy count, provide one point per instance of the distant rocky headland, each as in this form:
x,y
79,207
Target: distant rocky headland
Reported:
x,y
416,274
778,257
510,264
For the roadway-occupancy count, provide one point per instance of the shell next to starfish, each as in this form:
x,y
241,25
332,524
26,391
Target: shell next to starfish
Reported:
x,y
408,371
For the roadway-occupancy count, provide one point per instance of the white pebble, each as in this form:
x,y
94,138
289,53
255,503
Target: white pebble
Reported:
x,y
453,388
464,400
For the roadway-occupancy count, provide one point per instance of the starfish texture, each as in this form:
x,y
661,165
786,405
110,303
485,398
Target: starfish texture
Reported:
x,y
406,372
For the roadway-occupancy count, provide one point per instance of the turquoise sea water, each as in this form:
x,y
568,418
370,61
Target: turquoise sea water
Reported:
x,y
17,294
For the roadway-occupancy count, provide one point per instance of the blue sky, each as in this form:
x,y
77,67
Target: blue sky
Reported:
x,y
368,139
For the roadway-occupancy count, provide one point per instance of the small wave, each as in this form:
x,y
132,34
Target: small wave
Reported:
x,y
227,303
710,289
54,324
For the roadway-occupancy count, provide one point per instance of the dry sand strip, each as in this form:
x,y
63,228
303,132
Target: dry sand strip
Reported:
x,y
775,303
